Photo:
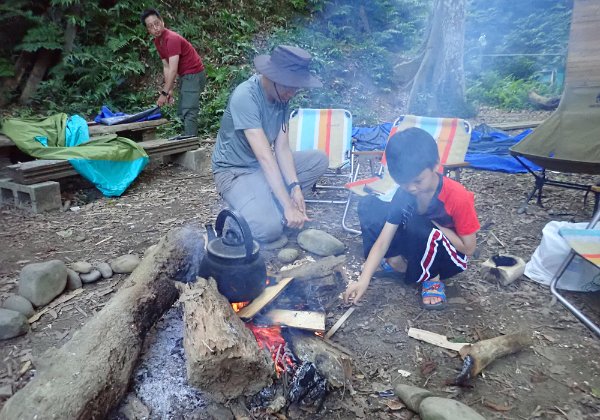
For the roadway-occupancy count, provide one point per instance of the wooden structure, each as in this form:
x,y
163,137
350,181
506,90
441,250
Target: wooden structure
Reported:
x,y
49,170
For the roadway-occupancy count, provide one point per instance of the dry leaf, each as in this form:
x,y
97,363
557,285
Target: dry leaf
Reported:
x,y
395,404
497,407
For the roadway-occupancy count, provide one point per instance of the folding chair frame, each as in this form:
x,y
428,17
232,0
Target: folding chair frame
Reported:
x,y
567,303
541,180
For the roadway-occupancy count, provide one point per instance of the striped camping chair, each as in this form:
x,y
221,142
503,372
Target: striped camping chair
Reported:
x,y
452,136
328,130
585,243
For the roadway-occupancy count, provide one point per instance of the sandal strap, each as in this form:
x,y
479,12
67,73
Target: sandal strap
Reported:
x,y
434,289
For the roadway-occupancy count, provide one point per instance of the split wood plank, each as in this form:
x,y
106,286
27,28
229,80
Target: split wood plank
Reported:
x,y
517,125
266,297
435,339
99,129
340,322
54,303
304,320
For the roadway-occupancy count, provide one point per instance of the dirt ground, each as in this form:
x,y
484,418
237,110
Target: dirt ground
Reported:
x,y
559,377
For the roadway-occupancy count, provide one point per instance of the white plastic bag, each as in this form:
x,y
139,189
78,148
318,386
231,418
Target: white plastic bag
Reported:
x,y
580,276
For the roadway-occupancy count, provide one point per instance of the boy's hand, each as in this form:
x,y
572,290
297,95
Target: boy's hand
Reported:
x,y
355,291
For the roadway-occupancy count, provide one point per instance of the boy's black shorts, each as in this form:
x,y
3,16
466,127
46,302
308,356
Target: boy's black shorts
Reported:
x,y
427,251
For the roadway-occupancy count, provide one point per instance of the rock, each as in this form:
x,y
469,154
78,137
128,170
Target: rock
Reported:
x,y
90,277
276,244
104,269
320,243
134,409
81,267
12,324
125,263
412,396
436,408
42,282
19,304
73,280
6,391
288,255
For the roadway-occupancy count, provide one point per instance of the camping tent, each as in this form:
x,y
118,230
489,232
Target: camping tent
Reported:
x,y
569,140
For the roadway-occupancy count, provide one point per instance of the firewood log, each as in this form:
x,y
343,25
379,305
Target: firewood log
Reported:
x,y
223,356
90,373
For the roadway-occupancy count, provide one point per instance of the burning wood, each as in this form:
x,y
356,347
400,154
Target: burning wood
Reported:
x,y
304,320
267,296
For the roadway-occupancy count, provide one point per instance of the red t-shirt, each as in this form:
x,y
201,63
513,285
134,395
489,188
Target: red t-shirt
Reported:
x,y
170,43
452,206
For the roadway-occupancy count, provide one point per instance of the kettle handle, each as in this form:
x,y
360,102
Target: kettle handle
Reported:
x,y
241,222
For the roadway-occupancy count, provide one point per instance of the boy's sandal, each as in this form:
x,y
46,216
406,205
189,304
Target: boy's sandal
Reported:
x,y
385,266
433,288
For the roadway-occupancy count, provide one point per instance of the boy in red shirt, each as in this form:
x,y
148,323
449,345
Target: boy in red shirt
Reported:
x,y
426,231
178,58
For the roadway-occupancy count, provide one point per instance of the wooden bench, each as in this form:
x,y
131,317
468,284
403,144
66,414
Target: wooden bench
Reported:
x,y
49,170
137,131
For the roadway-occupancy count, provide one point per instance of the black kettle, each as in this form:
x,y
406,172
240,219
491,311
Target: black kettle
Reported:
x,y
233,259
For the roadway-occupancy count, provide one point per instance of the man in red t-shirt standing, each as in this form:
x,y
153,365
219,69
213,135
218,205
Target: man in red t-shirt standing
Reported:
x,y
179,58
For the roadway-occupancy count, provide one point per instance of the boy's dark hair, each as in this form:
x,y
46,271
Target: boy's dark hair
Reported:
x,y
149,12
409,153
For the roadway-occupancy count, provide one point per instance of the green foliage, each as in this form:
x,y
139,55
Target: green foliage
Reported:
x,y
503,92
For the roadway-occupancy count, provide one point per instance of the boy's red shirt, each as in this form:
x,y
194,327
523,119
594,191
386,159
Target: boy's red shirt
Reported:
x,y
170,43
452,206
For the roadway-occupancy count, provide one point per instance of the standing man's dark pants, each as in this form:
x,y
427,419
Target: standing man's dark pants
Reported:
x,y
190,88
427,251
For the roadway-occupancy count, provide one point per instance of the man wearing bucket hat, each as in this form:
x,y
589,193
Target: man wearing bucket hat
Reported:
x,y
254,168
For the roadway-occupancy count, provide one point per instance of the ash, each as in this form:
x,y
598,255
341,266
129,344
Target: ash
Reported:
x,y
159,380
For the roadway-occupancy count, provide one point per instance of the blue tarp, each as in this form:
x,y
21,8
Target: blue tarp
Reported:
x,y
488,148
110,176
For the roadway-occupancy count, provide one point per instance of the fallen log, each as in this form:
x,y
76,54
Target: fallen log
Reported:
x,y
223,356
331,363
479,355
90,373
544,102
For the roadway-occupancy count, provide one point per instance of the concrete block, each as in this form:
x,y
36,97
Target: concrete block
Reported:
x,y
38,198
195,160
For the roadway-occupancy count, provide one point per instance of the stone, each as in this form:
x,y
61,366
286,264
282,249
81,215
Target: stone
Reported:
x,y
412,396
81,267
134,409
19,304
124,264
288,255
320,243
41,282
437,408
104,269
12,324
276,244
91,277
73,280
6,391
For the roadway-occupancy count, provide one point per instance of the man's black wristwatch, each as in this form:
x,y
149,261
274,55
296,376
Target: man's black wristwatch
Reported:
x,y
162,92
292,185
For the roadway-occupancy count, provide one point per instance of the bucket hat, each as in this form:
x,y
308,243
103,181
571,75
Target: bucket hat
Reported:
x,y
287,66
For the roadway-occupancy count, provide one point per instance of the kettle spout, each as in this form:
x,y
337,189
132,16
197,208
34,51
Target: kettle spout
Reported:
x,y
210,231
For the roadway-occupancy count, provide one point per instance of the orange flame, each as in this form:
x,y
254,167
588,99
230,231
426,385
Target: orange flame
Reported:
x,y
270,339
239,305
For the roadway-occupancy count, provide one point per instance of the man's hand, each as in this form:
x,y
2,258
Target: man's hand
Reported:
x,y
298,199
162,100
355,291
294,217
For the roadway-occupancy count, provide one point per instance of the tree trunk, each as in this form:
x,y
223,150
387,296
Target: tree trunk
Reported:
x,y
90,373
42,63
223,356
439,86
